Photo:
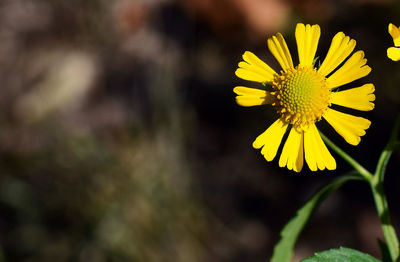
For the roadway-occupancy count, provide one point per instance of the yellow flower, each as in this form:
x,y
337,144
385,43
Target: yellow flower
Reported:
x,y
303,95
394,51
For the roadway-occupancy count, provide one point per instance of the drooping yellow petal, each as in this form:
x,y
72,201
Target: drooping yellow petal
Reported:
x,y
393,53
354,68
341,47
394,31
307,38
252,97
279,49
351,128
271,139
292,153
316,154
359,98
253,69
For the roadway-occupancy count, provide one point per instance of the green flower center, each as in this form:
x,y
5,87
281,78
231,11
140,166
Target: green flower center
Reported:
x,y
301,96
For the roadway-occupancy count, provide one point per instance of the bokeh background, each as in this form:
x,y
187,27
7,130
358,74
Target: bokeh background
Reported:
x,y
120,139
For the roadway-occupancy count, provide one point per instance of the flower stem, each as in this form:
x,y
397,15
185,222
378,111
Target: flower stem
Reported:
x,y
388,230
359,168
376,183
379,195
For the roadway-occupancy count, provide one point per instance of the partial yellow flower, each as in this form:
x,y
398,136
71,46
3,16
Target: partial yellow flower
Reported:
x,y
394,51
303,95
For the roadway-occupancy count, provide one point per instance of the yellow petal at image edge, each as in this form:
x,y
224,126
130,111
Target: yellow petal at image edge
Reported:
x,y
351,128
292,152
271,139
395,33
393,53
316,153
359,98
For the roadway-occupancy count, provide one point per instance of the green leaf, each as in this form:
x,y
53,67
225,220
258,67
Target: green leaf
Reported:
x,y
283,250
342,254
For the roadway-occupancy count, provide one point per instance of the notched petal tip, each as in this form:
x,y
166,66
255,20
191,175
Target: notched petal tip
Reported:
x,y
340,48
279,49
270,140
246,54
242,64
316,153
292,152
332,165
359,98
317,29
300,26
350,127
354,68
254,69
367,69
307,38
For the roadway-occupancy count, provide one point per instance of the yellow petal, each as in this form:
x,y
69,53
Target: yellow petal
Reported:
x,y
351,128
307,38
247,91
250,75
341,47
393,53
253,69
271,139
316,154
251,96
279,49
292,153
359,98
354,68
395,33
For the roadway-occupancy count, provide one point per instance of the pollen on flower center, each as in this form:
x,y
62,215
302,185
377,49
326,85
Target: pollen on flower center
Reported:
x,y
301,96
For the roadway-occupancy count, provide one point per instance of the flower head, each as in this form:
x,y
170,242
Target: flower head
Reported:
x,y
394,51
302,95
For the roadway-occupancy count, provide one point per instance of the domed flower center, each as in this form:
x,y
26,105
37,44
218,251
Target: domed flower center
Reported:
x,y
301,96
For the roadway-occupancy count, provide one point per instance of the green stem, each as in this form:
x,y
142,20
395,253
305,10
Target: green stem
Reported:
x,y
359,168
382,206
388,230
376,184
379,194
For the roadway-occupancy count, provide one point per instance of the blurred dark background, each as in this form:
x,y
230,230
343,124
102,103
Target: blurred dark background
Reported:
x,y
120,139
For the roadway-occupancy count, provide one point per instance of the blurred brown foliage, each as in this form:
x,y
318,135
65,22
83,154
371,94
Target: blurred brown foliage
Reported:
x,y
120,139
